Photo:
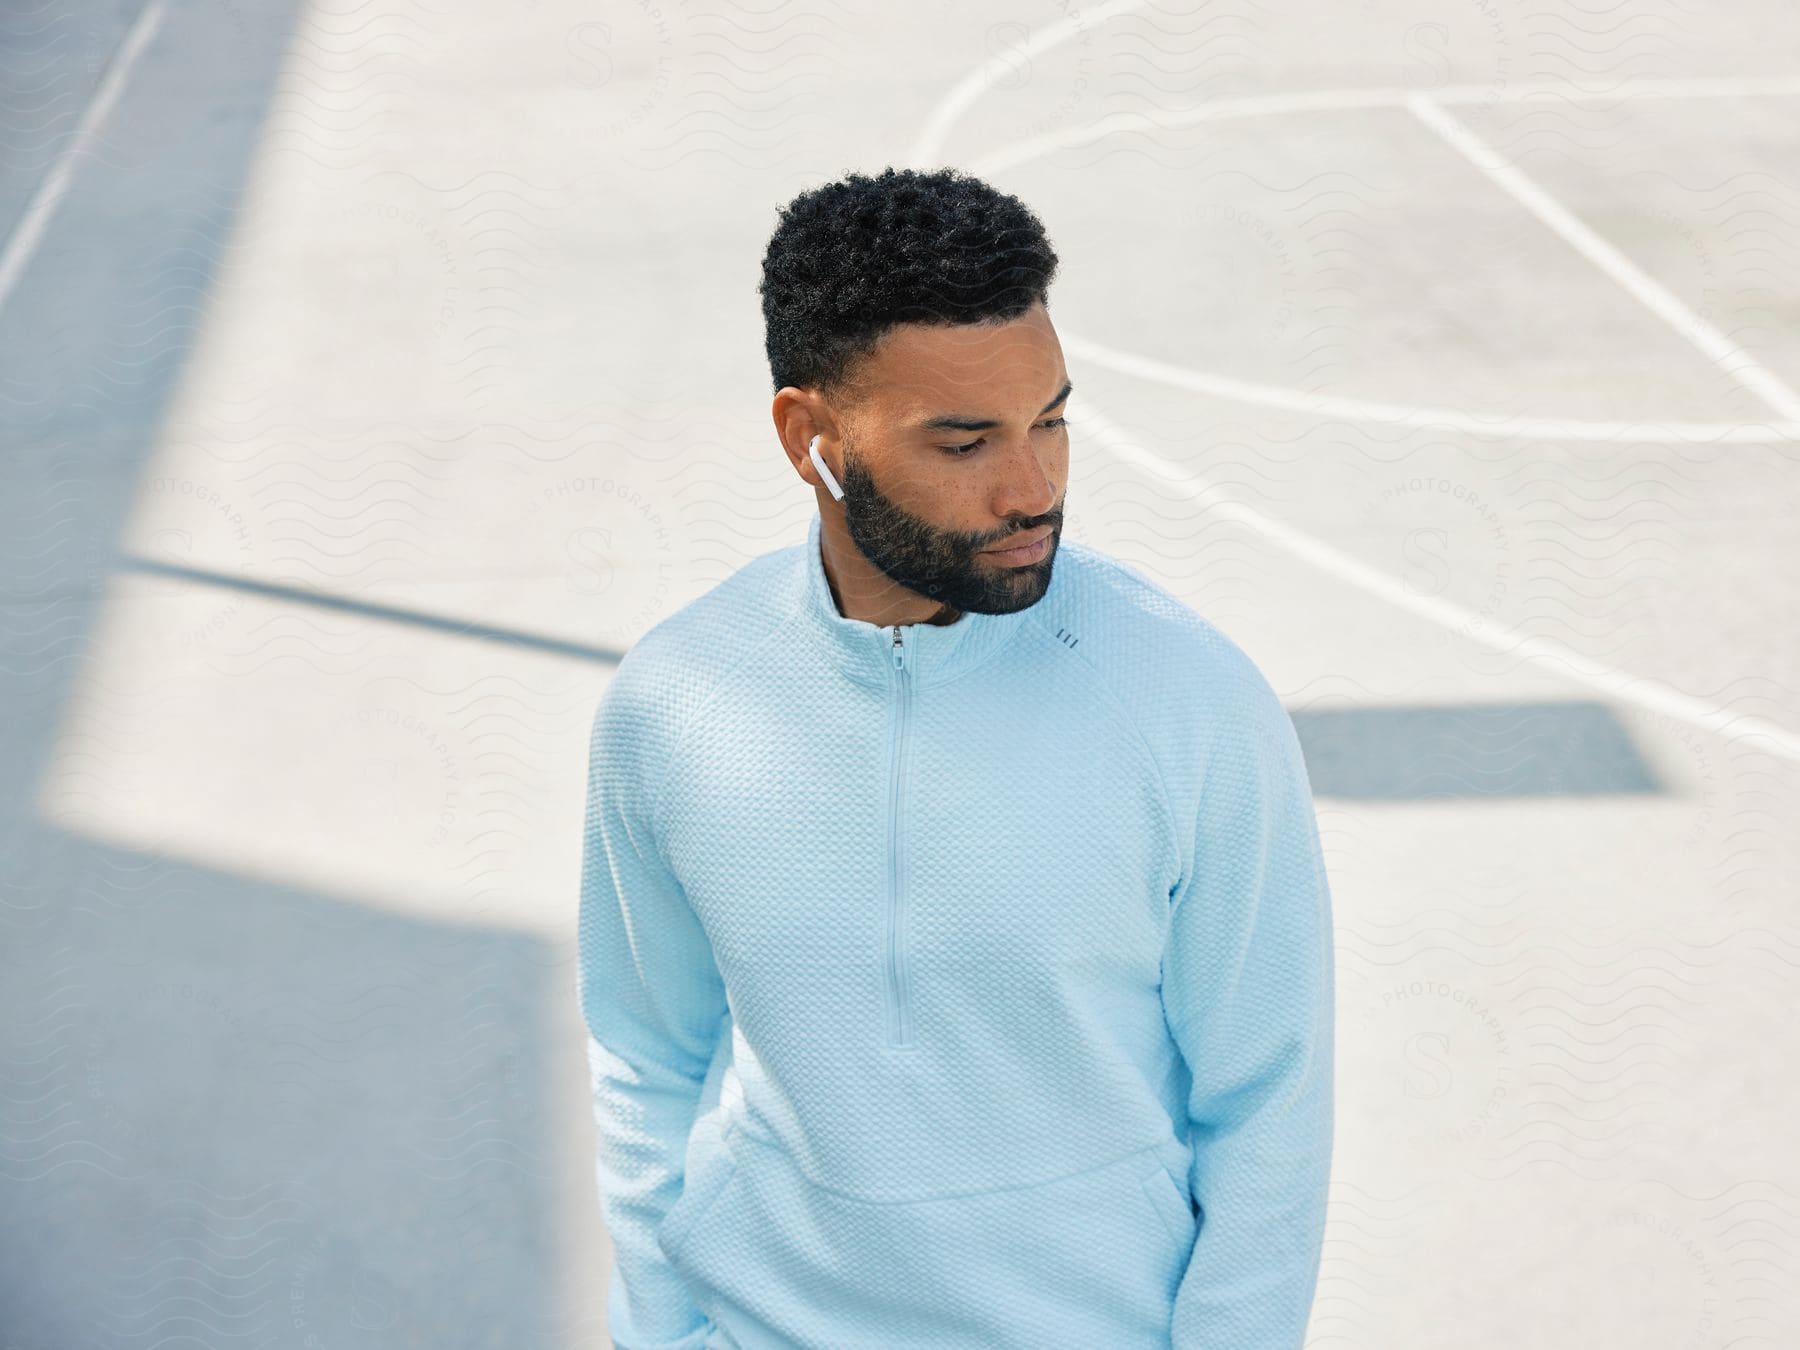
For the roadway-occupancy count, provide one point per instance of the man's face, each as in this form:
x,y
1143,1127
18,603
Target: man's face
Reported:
x,y
927,504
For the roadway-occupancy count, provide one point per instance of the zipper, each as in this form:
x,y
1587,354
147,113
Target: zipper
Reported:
x,y
899,1031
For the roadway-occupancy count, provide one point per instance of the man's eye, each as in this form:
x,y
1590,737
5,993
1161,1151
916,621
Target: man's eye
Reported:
x,y
961,451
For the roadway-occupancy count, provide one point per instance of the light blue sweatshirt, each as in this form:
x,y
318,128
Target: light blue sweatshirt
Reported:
x,y
954,986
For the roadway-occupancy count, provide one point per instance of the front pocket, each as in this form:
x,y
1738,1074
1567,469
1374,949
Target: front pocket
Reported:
x,y
709,1172
1170,1202
1087,1258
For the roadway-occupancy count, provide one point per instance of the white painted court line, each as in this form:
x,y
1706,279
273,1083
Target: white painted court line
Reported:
x,y
968,90
1658,432
1696,86
27,234
1543,653
1324,407
1346,99
1169,119
1733,360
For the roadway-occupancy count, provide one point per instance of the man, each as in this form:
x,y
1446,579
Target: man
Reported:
x,y
955,936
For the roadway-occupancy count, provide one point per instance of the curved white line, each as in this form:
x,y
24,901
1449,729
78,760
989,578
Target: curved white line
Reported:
x,y
1541,652
1544,653
966,91
1323,407
1343,100
1597,250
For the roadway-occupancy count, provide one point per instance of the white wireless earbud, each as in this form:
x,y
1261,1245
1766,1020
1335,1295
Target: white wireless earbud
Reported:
x,y
831,484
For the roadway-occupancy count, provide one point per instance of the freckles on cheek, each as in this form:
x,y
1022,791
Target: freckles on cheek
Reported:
x,y
940,493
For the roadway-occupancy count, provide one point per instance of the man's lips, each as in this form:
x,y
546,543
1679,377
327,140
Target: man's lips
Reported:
x,y
1023,541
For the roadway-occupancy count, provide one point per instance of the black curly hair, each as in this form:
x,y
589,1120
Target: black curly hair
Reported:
x,y
851,259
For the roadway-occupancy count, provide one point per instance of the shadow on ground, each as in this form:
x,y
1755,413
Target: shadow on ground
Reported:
x,y
235,1112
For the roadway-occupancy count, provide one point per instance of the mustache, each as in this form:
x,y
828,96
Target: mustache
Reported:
x,y
1054,522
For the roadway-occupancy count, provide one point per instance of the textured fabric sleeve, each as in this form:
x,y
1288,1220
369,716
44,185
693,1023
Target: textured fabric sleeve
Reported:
x,y
1249,991
654,1004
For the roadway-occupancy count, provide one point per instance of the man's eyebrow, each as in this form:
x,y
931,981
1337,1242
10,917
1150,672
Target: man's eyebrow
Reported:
x,y
976,424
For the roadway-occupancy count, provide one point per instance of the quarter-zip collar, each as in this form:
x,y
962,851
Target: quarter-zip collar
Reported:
x,y
865,651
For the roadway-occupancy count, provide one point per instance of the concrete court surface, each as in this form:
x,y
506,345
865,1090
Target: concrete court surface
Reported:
x,y
373,374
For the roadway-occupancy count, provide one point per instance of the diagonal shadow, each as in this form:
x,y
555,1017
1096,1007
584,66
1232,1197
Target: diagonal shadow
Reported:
x,y
1471,750
236,1111
464,628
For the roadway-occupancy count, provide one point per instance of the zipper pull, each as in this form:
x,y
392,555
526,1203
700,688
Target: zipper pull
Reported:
x,y
899,651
